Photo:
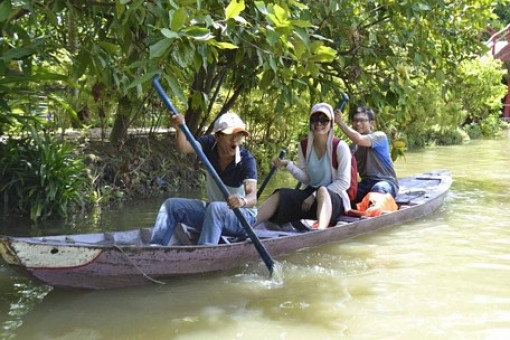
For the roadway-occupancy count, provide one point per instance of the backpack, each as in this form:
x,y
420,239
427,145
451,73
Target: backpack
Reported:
x,y
374,204
353,188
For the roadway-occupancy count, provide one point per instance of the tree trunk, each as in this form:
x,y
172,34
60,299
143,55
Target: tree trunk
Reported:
x,y
122,120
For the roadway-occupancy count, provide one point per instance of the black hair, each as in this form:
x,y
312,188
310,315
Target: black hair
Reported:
x,y
363,109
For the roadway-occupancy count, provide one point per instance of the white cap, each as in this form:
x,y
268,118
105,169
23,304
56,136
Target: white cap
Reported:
x,y
323,108
230,123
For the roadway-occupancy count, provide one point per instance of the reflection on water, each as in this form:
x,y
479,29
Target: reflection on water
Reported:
x,y
442,277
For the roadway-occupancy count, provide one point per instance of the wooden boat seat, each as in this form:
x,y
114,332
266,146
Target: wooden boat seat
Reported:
x,y
405,197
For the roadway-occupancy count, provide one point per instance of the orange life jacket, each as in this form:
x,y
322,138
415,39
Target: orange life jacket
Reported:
x,y
374,204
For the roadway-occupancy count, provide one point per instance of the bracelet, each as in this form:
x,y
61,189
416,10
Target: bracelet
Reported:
x,y
245,202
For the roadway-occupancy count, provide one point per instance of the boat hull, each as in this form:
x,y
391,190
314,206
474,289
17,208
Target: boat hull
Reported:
x,y
96,261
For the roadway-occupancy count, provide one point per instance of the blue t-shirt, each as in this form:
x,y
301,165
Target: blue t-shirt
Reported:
x,y
374,163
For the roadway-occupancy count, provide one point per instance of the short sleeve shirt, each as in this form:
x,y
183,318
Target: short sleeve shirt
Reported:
x,y
234,174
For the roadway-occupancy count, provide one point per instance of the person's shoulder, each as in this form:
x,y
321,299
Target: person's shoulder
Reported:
x,y
341,144
378,134
246,154
207,141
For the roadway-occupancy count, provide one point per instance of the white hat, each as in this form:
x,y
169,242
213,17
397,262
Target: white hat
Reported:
x,y
230,123
323,108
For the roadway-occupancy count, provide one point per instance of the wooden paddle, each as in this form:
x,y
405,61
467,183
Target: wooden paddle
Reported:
x,y
184,128
270,174
343,101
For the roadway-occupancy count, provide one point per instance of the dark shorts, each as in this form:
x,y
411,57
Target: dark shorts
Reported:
x,y
291,200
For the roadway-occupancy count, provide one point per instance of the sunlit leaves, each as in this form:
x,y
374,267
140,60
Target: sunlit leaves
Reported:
x,y
222,45
323,53
279,17
178,19
234,9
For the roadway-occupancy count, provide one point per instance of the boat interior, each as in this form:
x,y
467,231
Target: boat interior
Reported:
x,y
412,193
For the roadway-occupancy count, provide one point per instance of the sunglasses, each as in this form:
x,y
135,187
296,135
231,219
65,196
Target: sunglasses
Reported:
x,y
323,120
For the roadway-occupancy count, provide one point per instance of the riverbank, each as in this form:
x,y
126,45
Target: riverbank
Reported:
x,y
142,166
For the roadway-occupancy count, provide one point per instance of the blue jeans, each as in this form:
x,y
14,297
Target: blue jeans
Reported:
x,y
211,219
370,185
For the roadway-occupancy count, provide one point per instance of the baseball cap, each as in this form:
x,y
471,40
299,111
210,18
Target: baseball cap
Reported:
x,y
323,108
230,123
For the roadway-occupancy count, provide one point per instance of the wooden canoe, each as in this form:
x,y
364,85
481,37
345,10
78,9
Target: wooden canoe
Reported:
x,y
124,258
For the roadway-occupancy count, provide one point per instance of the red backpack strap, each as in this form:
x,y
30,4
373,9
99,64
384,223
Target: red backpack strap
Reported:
x,y
304,143
334,158
353,188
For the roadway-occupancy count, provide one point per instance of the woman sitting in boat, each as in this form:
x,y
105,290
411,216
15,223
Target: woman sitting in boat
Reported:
x,y
372,153
236,168
325,197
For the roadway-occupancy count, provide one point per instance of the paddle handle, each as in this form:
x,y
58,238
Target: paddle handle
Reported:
x,y
212,172
270,174
341,104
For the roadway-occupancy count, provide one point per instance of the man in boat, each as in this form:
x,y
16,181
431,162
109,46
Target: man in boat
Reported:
x,y
371,149
236,168
325,198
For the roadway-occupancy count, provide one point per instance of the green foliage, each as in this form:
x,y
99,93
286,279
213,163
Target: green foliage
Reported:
x,y
502,11
492,126
415,62
41,176
446,136
474,130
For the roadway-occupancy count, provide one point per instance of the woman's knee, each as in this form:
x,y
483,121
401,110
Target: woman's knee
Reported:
x,y
322,193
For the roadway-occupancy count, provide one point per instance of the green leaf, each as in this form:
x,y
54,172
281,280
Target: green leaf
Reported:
x,y
280,17
223,45
198,33
119,9
159,48
175,89
17,53
234,8
261,6
267,79
5,10
169,34
108,47
301,23
179,18
324,54
142,80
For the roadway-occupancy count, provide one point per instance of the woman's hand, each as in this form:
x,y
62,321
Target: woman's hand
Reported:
x,y
280,163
